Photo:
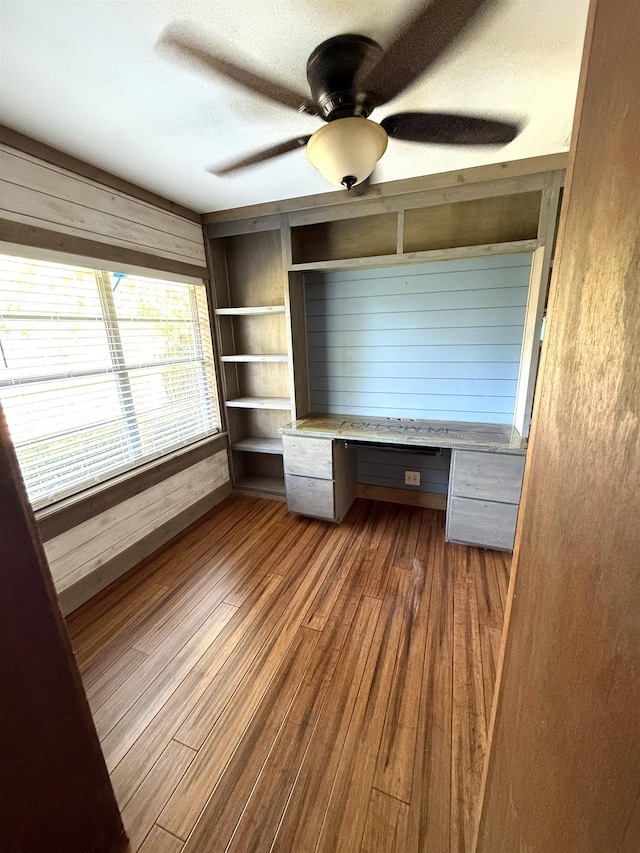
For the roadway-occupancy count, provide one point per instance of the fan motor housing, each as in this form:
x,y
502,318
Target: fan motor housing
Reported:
x,y
332,70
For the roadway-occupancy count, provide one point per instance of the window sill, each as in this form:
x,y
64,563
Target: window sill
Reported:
x,y
62,516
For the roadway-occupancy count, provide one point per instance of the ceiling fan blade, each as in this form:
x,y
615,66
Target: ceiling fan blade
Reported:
x,y
449,129
419,43
260,156
179,41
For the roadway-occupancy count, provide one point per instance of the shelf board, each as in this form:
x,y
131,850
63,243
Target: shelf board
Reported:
x,y
254,309
258,444
260,403
457,253
245,359
266,485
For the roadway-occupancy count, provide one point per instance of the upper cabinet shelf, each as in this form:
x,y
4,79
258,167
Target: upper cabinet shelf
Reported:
x,y
396,237
254,309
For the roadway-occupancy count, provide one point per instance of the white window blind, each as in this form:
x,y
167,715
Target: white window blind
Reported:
x,y
100,371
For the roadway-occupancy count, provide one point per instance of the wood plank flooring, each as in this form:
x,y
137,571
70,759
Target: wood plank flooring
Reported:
x,y
267,682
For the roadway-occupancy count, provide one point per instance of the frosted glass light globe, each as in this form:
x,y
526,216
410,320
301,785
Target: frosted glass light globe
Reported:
x,y
347,148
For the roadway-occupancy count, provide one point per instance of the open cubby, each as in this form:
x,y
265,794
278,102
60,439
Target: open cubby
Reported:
x,y
478,222
361,237
260,334
258,472
256,423
253,269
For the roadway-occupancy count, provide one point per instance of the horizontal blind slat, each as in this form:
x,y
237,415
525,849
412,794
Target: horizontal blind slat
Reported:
x,y
100,372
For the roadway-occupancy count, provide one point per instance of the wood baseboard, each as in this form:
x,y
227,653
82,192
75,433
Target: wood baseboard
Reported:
x,y
402,496
70,599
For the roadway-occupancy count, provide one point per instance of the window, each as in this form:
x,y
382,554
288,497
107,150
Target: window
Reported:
x,y
100,371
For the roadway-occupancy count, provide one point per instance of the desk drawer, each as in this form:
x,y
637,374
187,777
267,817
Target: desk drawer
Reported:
x,y
488,476
310,496
484,523
308,457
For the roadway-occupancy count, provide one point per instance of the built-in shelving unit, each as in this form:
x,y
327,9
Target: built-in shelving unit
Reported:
x,y
259,264
252,324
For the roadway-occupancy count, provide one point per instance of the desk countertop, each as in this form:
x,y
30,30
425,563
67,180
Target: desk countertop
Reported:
x,y
493,438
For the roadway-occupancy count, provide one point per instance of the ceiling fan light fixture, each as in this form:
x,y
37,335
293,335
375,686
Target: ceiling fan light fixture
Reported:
x,y
346,150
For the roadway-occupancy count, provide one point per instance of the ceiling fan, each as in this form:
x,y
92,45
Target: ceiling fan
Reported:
x,y
349,76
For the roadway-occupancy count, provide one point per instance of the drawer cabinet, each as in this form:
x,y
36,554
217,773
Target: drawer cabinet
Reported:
x,y
308,457
487,523
310,496
488,476
320,476
484,497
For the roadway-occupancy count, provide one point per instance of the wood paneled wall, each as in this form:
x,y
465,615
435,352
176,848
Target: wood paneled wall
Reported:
x,y
440,340
54,203
55,793
42,195
89,556
564,767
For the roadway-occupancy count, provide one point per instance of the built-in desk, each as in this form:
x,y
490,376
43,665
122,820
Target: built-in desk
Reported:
x,y
487,464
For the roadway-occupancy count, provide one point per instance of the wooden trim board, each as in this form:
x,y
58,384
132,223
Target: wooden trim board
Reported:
x,y
459,253
538,291
22,234
365,206
531,341
494,171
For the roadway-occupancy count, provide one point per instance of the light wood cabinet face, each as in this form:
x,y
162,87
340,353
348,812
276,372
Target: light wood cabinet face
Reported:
x,y
487,476
484,497
486,523
310,496
308,457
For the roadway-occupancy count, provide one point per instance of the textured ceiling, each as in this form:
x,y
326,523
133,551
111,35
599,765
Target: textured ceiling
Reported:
x,y
84,77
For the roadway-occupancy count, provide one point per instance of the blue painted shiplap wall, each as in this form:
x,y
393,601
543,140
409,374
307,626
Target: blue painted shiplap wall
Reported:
x,y
436,341
386,468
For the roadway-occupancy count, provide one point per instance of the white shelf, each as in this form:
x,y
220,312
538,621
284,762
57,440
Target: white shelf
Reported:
x,y
247,359
254,309
267,485
258,444
260,403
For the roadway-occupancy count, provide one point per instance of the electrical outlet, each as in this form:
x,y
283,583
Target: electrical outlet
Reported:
x,y
412,478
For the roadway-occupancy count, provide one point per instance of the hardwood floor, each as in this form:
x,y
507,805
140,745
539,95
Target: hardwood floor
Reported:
x,y
268,682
